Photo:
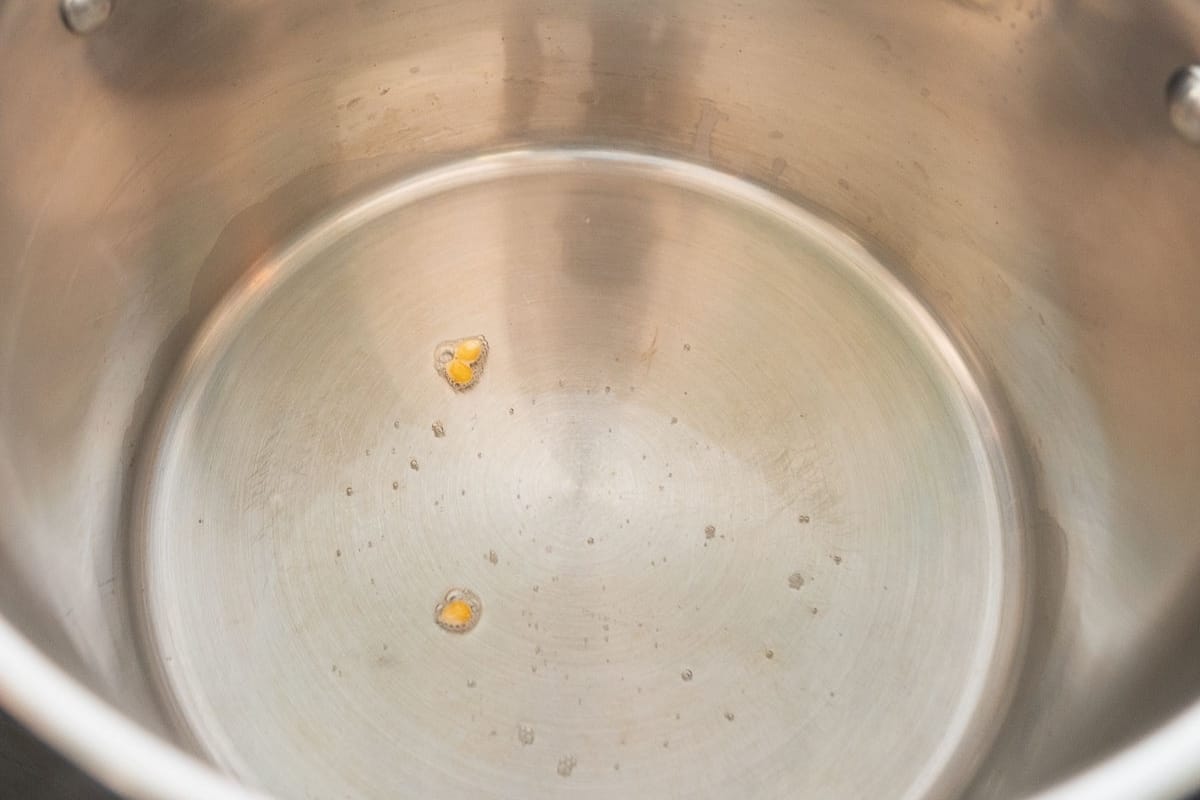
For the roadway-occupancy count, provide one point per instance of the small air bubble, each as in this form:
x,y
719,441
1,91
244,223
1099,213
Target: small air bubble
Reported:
x,y
395,484
413,465
591,540
525,734
439,430
349,491
729,716
396,424
687,346
804,519
769,653
470,684
686,674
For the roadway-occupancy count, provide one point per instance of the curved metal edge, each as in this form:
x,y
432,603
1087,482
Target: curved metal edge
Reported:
x,y
1163,765
110,747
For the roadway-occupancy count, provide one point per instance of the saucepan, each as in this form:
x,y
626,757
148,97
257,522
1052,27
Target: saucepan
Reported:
x,y
498,398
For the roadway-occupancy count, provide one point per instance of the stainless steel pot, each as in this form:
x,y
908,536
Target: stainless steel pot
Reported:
x,y
834,428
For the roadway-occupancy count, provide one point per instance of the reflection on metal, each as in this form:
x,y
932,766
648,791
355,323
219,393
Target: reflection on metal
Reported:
x,y
1183,101
85,16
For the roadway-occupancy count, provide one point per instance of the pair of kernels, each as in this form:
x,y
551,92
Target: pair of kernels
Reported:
x,y
461,361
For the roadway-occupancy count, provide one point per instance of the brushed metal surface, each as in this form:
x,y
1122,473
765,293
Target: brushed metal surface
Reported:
x,y
1010,162
725,491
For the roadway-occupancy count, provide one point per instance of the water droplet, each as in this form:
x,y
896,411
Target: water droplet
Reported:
x,y
566,765
413,465
525,734
686,674
439,430
710,531
795,580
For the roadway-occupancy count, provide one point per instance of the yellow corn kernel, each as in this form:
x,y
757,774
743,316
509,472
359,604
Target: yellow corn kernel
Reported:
x,y
459,372
459,611
469,350
455,614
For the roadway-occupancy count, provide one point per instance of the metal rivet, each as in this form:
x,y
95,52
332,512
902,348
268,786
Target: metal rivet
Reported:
x,y
1183,101
85,16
